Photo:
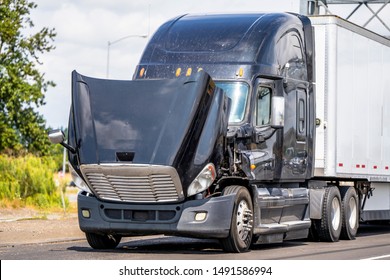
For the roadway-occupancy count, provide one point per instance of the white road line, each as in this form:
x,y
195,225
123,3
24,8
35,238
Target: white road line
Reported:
x,y
378,257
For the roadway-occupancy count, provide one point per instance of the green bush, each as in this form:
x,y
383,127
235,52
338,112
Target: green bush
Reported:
x,y
30,180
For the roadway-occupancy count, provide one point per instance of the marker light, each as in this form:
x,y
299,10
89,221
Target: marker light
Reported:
x,y
142,72
240,72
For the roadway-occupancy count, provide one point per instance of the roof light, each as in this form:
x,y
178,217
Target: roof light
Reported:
x,y
189,71
240,72
142,72
178,72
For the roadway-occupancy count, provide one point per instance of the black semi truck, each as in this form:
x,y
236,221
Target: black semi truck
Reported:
x,y
239,127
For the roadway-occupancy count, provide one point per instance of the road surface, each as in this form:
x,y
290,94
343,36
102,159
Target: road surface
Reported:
x,y
373,242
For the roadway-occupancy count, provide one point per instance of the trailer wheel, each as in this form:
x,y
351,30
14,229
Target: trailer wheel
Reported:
x,y
102,241
350,213
329,227
241,228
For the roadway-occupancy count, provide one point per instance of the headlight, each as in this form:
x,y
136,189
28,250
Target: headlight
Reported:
x,y
204,180
79,182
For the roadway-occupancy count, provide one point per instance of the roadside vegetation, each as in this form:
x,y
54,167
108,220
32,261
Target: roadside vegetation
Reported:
x,y
31,181
28,162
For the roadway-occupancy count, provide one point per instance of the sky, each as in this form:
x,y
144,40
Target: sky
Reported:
x,y
84,28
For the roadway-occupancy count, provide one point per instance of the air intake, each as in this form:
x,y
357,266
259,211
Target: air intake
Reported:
x,y
134,183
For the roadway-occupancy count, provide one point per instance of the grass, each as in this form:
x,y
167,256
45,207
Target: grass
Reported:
x,y
46,203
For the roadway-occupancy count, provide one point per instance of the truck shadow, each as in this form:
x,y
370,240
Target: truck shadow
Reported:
x,y
373,228
180,245
174,245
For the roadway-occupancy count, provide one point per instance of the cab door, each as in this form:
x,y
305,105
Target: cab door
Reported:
x,y
280,152
266,145
295,144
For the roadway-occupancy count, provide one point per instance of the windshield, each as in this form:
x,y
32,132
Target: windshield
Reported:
x,y
238,93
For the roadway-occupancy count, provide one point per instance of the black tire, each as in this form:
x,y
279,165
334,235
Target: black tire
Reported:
x,y
102,241
328,229
241,227
350,213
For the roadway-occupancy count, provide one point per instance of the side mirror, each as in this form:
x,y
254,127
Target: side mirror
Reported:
x,y
56,136
277,112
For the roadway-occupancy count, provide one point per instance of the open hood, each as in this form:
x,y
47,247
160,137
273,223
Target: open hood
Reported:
x,y
179,122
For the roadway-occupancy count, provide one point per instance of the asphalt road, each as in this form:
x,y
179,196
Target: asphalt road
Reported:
x,y
373,242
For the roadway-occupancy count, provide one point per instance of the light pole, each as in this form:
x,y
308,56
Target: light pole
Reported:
x,y
116,41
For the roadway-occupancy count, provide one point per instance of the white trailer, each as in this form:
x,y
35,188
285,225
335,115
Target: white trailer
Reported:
x,y
353,109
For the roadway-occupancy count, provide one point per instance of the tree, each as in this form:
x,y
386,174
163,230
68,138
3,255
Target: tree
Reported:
x,y
22,85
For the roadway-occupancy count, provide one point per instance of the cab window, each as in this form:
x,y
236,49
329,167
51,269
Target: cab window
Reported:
x,y
238,93
263,110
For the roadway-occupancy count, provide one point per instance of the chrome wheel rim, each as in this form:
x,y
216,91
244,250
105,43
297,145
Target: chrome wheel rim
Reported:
x,y
353,212
244,220
336,213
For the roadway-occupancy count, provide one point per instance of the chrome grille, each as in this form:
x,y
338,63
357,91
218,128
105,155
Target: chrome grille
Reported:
x,y
134,183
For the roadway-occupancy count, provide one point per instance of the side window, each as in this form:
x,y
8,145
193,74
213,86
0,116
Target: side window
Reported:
x,y
290,56
296,52
263,110
289,49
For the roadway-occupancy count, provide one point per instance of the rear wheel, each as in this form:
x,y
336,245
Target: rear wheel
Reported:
x,y
240,235
102,241
329,227
350,213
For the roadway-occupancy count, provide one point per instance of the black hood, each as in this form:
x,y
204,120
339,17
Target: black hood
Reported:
x,y
178,122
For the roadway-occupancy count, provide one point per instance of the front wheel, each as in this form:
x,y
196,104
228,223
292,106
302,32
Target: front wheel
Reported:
x,y
102,241
241,228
